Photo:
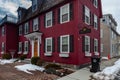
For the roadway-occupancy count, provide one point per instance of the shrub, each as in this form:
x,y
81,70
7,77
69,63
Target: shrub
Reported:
x,y
34,60
23,56
54,66
6,56
39,62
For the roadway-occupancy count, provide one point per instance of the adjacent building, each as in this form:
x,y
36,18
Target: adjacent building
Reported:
x,y
8,35
109,36
62,31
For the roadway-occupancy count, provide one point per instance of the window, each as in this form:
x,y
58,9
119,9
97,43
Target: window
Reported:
x,y
64,46
102,47
48,45
34,5
101,33
20,47
19,15
35,24
26,28
26,47
3,47
3,31
87,44
95,3
20,30
87,15
95,22
65,13
95,45
48,21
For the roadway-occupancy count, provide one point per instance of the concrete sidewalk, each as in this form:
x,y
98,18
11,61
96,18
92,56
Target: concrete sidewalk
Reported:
x,y
84,73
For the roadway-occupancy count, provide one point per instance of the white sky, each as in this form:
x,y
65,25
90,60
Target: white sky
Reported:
x,y
112,7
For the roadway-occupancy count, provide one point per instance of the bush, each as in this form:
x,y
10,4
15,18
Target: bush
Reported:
x,y
39,62
23,56
6,56
54,66
34,60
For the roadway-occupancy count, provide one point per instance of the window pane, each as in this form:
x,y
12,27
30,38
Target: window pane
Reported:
x,y
64,48
49,22
65,17
48,48
65,40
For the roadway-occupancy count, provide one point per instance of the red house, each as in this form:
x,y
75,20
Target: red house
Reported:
x,y
8,35
62,31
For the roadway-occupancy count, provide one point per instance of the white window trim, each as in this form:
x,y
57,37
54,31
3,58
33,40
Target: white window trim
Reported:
x,y
87,53
46,16
95,21
26,42
96,5
26,26
35,23
3,31
50,38
19,52
20,28
96,52
61,13
87,13
61,44
3,45
102,47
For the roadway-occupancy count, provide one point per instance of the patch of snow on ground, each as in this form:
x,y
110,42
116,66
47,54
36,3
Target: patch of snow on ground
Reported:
x,y
29,67
108,73
104,58
4,61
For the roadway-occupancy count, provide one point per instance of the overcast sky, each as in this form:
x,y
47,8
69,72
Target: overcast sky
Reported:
x,y
10,7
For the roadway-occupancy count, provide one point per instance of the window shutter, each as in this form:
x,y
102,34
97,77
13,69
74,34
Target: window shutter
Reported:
x,y
72,43
91,45
29,27
83,17
32,26
58,44
59,15
71,11
44,21
29,46
53,18
83,43
53,44
91,18
39,23
44,46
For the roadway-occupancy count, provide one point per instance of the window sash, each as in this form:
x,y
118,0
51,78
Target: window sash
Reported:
x,y
95,3
64,40
87,15
35,24
48,45
49,19
65,13
87,44
95,22
26,28
26,46
20,47
3,31
95,45
20,30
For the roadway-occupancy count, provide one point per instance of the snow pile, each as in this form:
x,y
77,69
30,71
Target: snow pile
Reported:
x,y
29,67
108,73
104,58
4,61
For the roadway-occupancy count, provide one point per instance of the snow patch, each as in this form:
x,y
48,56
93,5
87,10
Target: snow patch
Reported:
x,y
104,58
108,73
29,67
4,61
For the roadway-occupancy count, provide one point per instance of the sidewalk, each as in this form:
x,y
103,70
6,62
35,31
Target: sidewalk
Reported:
x,y
84,73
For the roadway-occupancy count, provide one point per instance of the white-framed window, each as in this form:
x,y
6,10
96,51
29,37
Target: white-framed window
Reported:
x,y
64,44
26,28
95,3
87,15
20,30
3,31
95,45
102,47
34,5
35,24
19,14
48,45
3,47
48,19
95,22
87,45
101,33
26,46
20,47
65,13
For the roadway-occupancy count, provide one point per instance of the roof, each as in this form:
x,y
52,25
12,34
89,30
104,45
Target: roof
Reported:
x,y
45,5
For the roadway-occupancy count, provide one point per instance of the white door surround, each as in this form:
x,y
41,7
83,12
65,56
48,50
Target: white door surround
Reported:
x,y
32,37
